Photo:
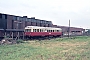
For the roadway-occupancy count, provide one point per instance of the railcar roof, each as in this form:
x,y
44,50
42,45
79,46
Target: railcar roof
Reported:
x,y
38,27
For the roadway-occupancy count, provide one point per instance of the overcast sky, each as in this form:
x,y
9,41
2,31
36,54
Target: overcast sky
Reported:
x,y
57,11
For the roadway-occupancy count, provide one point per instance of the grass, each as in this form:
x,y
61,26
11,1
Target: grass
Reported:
x,y
55,49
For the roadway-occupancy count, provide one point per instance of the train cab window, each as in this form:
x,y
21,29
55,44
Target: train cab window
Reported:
x,y
25,30
28,30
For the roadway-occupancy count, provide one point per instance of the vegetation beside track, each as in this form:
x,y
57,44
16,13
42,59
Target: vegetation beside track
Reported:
x,y
77,48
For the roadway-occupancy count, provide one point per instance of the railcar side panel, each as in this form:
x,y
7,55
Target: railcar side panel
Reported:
x,y
43,33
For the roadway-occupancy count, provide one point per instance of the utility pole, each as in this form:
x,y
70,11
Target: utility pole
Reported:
x,y
69,29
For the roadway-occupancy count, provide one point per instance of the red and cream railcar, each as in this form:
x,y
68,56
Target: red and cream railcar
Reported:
x,y
36,31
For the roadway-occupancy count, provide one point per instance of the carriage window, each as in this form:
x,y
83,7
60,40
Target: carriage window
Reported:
x,y
40,30
37,30
47,30
34,30
53,30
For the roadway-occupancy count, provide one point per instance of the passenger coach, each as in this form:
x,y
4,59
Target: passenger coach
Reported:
x,y
36,31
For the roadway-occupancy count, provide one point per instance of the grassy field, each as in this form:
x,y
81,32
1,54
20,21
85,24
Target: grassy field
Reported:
x,y
55,49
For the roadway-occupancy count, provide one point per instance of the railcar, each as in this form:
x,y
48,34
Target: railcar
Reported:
x,y
36,31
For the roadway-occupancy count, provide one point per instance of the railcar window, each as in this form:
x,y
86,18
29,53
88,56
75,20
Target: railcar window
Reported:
x,y
33,30
44,30
40,30
25,30
28,30
37,30
47,30
57,30
53,30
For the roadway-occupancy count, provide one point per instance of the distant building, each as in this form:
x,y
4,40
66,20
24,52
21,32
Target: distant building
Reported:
x,y
71,30
17,22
